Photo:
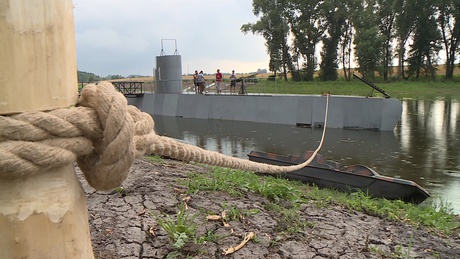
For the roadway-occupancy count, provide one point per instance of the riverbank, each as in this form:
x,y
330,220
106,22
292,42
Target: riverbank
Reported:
x,y
130,221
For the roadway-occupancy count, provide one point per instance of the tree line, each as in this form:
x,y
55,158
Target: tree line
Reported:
x,y
376,32
91,77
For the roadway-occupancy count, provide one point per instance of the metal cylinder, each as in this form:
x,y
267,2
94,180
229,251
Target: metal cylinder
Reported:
x,y
168,74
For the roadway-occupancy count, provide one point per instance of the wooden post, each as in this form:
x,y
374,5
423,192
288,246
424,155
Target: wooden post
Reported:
x,y
43,215
38,68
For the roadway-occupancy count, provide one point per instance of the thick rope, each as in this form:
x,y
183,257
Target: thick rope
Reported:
x,y
104,135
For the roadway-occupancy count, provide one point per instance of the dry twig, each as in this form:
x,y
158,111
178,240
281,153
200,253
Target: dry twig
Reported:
x,y
246,239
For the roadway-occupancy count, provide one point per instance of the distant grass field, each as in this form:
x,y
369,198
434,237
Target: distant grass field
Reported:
x,y
399,90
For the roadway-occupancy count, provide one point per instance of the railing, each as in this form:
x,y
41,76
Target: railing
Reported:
x,y
130,88
139,88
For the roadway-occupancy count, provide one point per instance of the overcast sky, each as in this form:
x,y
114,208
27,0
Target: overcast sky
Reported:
x,y
120,37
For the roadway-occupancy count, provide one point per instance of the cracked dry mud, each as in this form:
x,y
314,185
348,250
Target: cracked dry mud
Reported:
x,y
120,223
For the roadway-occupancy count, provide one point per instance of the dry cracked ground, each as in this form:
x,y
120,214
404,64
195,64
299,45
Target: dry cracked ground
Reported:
x,y
123,224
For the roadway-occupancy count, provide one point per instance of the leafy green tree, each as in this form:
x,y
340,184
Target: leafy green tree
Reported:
x,y
352,8
368,41
87,77
377,30
386,17
405,15
346,43
426,39
333,14
273,26
114,77
306,34
449,25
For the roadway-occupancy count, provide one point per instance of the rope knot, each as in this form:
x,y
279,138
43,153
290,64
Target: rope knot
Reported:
x,y
114,151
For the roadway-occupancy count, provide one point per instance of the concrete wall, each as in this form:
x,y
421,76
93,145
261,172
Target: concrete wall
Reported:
x,y
344,111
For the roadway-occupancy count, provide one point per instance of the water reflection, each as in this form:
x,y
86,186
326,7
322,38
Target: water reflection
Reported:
x,y
422,148
429,135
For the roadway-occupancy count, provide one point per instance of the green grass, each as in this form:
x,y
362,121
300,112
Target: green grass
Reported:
x,y
154,158
400,90
237,182
285,197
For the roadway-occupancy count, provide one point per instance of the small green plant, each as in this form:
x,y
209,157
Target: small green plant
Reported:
x,y
276,241
233,213
180,229
402,252
409,245
155,158
380,251
209,236
120,190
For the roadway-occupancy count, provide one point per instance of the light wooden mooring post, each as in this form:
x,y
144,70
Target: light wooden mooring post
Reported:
x,y
43,215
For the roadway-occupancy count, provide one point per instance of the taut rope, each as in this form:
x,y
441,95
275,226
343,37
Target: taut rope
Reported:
x,y
104,135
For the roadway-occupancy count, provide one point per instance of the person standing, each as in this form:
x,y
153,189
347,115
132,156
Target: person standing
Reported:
x,y
218,81
195,81
201,82
232,82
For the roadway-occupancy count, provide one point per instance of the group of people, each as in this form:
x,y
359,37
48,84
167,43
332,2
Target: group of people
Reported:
x,y
200,82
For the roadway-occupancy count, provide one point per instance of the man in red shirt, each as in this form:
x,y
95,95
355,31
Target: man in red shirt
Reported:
x,y
218,81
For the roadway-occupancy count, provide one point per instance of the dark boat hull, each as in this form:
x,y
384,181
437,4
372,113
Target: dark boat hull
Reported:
x,y
332,175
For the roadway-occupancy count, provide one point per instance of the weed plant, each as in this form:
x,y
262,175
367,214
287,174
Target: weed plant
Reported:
x,y
180,229
234,213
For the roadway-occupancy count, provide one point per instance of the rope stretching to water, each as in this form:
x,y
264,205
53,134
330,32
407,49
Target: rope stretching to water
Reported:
x,y
104,135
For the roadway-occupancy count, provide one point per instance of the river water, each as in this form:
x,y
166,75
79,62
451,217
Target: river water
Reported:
x,y
424,146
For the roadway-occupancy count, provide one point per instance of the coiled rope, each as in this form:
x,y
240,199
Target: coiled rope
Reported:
x,y
104,135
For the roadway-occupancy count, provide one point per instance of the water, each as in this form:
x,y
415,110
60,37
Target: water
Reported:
x,y
424,147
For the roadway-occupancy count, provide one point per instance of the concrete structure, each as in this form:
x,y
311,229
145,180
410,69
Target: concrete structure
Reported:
x,y
344,111
168,74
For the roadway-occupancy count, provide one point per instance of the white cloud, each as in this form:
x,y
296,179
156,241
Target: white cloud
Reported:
x,y
124,37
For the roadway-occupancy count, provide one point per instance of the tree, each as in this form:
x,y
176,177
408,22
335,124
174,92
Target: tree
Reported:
x,y
449,24
346,43
87,77
333,14
306,34
425,46
353,9
405,15
386,15
273,26
368,41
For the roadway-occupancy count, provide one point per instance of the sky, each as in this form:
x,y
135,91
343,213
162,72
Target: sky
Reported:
x,y
120,37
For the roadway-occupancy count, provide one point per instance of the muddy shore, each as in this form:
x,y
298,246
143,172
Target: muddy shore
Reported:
x,y
123,225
